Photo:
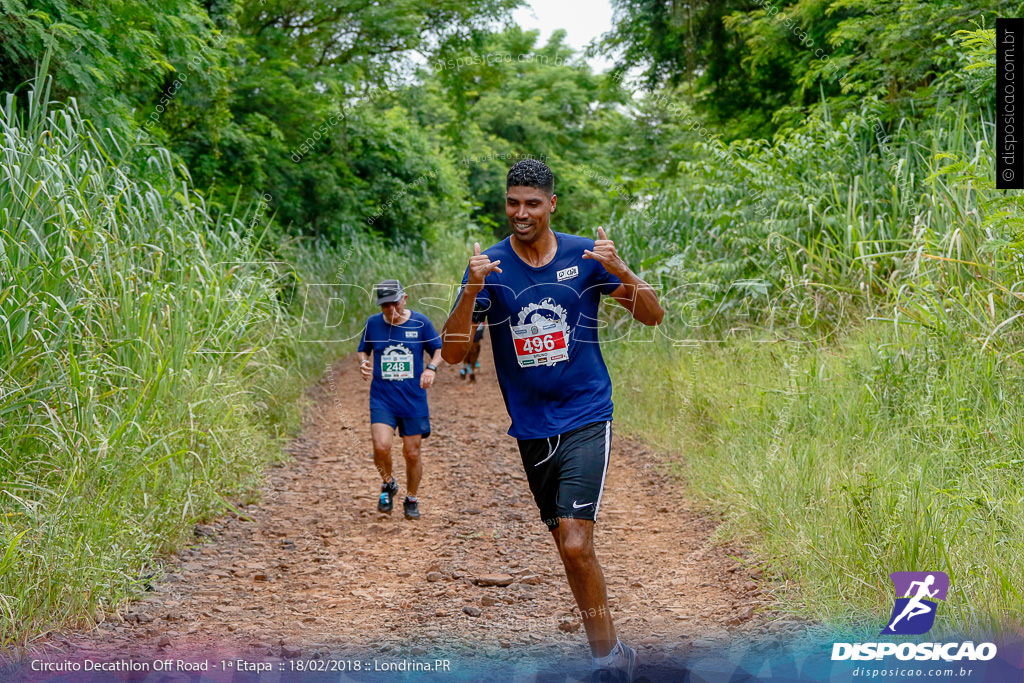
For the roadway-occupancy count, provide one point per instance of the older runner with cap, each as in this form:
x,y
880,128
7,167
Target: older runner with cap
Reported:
x,y
397,338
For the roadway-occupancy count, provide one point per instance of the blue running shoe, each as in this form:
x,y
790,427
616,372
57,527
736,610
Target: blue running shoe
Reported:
x,y
387,496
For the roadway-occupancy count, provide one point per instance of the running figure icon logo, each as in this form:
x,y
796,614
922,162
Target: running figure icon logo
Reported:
x,y
917,596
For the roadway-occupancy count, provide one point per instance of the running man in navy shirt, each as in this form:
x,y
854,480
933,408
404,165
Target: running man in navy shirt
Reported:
x,y
539,292
397,337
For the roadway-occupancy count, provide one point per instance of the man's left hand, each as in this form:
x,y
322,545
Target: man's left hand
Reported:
x,y
604,253
427,378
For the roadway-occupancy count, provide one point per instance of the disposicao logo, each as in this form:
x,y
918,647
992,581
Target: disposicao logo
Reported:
x,y
917,598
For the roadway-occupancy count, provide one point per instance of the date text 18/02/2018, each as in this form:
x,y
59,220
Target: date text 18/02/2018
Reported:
x,y
365,665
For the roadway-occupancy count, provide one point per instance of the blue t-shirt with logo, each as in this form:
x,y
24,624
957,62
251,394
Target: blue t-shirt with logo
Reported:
x,y
397,352
543,324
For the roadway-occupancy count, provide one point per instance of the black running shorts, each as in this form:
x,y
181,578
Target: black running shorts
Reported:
x,y
567,472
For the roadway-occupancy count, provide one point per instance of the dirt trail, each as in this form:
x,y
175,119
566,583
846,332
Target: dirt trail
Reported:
x,y
314,568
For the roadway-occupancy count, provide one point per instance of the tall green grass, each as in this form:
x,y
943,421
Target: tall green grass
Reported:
x,y
840,464
152,354
841,218
845,383
136,362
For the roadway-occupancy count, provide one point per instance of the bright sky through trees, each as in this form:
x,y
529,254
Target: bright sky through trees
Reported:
x,y
585,20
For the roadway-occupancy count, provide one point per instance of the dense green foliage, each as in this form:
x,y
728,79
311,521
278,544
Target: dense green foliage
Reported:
x,y
114,57
151,355
845,303
847,215
263,98
506,99
755,65
816,175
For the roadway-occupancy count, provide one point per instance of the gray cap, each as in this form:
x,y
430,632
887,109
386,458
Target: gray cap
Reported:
x,y
389,291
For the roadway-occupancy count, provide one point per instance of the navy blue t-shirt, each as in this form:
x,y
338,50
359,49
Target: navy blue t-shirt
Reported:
x,y
543,324
398,362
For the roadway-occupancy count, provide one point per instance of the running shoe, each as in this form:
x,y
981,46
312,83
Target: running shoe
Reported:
x,y
462,373
624,673
412,509
387,495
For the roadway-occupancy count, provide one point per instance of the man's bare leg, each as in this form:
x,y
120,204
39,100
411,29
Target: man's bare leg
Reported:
x,y
413,464
382,435
575,541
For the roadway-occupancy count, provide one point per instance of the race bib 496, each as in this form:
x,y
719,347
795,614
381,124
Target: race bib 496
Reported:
x,y
543,344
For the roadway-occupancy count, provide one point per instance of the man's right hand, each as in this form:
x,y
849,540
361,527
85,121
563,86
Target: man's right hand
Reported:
x,y
480,266
366,367
457,333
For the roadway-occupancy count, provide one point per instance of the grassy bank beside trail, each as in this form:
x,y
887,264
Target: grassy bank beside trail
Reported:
x,y
152,357
894,446
840,464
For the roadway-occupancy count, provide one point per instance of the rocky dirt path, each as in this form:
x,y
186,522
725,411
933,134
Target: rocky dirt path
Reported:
x,y
313,569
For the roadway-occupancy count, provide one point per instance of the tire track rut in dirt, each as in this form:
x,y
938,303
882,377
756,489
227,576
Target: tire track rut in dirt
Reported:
x,y
314,568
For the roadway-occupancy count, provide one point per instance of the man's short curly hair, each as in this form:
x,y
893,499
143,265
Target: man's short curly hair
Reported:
x,y
531,173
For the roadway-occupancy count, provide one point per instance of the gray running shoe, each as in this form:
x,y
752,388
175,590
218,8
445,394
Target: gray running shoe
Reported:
x,y
625,674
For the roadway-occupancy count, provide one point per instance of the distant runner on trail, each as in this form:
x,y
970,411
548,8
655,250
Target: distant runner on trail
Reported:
x,y
539,292
471,363
397,337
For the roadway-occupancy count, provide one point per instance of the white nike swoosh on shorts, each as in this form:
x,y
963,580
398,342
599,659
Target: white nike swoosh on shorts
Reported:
x,y
580,506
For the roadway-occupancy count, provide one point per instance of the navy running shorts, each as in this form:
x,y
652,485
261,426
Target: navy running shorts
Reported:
x,y
567,472
407,426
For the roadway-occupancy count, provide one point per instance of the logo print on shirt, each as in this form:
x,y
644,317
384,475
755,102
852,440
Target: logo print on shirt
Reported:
x,y
412,334
568,273
542,335
545,311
